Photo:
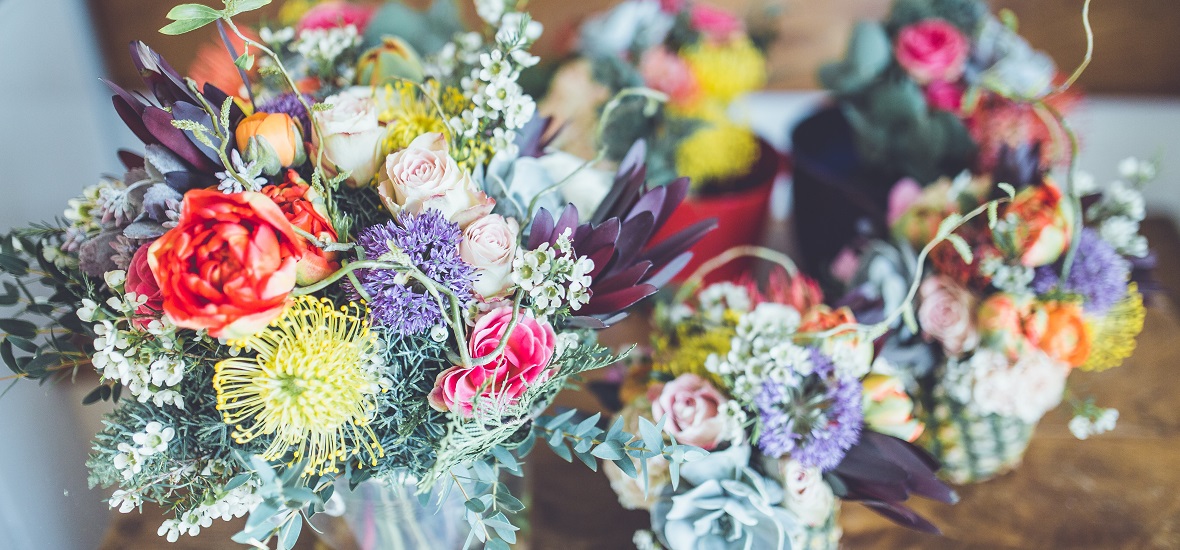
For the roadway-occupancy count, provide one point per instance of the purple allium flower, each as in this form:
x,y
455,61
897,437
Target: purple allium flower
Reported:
x,y
432,244
1099,274
289,104
815,423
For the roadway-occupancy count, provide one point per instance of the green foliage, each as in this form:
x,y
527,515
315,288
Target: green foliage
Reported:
x,y
967,15
426,31
190,17
869,54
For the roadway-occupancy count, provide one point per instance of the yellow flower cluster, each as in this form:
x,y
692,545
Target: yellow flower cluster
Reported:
x,y
685,351
406,115
717,151
726,70
1112,336
309,388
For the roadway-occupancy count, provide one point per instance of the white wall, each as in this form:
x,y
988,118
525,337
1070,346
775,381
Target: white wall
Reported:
x,y
57,134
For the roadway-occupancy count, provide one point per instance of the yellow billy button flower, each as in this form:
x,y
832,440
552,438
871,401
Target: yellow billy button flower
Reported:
x,y
310,387
1113,334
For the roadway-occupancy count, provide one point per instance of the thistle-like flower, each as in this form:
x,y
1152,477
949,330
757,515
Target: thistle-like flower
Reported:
x,y
310,386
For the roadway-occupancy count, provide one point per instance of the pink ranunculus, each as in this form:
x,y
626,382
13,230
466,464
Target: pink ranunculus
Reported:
x,y
523,363
141,281
331,15
672,6
945,96
489,245
947,314
424,175
932,49
904,194
717,24
667,72
692,406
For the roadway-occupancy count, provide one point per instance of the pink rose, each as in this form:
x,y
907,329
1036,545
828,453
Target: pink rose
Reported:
x,y
946,96
904,194
692,405
667,72
717,24
501,382
331,15
423,175
489,245
947,313
672,6
141,281
932,49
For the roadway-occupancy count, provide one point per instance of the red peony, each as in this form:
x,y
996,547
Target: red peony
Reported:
x,y
932,50
141,281
229,264
304,209
523,363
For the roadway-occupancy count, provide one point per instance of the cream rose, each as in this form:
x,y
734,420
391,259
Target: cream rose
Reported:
x,y
489,245
947,313
423,175
807,495
351,134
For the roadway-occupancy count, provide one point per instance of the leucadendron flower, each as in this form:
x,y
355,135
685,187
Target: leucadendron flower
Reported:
x,y
273,140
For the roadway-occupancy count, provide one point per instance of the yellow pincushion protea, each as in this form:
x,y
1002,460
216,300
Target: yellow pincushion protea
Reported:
x,y
726,70
406,115
1112,336
310,387
687,350
718,151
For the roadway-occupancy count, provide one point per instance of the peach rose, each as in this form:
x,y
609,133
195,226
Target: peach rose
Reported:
x,y
1011,323
304,208
888,409
1067,337
274,140
1042,224
667,72
692,406
423,175
489,245
229,264
932,50
523,363
946,313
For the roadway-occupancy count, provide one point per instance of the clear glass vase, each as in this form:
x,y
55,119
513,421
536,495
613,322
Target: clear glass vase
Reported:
x,y
384,515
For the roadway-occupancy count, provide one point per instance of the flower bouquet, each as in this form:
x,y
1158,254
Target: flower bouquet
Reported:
x,y
938,87
781,389
698,59
1010,307
327,277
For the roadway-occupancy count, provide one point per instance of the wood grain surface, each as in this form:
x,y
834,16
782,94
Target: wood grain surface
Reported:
x,y
1136,48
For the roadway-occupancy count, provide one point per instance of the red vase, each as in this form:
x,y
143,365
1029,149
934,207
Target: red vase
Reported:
x,y
740,214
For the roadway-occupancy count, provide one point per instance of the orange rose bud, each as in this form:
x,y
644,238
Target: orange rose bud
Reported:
x,y
1040,225
1010,323
1067,337
229,264
271,139
304,208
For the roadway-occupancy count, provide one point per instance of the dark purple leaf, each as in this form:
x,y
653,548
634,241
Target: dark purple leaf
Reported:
x,y
618,300
633,236
540,229
673,246
902,515
623,279
130,160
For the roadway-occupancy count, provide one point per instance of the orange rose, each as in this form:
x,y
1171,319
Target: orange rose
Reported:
x,y
228,265
823,317
304,209
1011,323
1066,338
272,140
1041,228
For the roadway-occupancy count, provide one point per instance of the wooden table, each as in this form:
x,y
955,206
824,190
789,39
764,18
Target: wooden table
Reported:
x,y
1115,491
